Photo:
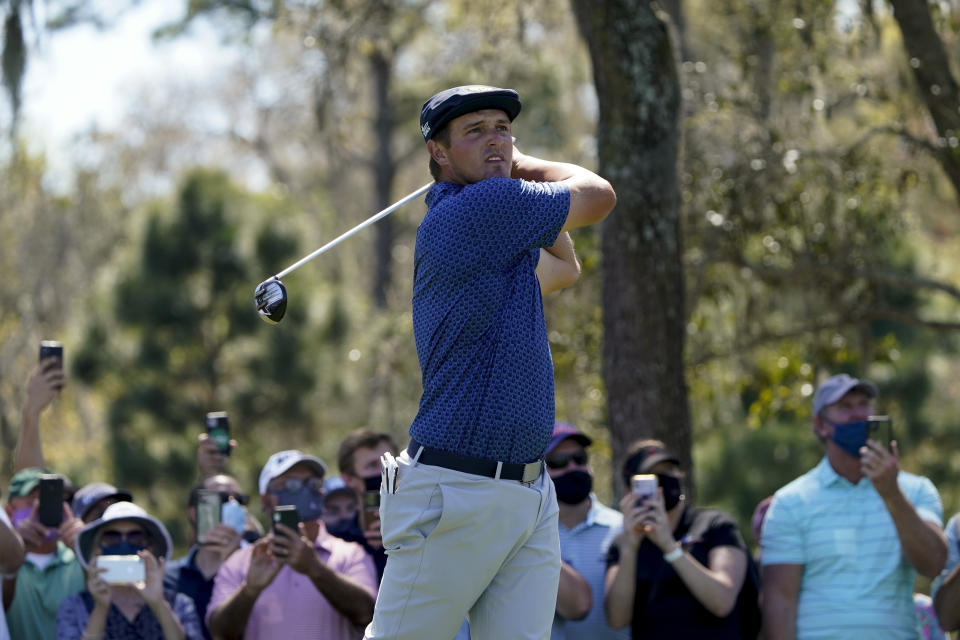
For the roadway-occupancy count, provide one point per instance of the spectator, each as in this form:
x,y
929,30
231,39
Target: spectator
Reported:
x,y
587,529
294,584
843,542
136,611
358,458
91,500
340,510
193,574
50,572
675,571
11,557
946,588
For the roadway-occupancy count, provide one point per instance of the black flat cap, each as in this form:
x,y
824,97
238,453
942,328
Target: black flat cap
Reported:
x,y
452,103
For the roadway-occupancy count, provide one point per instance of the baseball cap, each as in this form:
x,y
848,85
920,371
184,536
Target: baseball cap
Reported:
x,y
282,461
645,459
452,103
124,511
562,431
335,484
834,388
90,494
25,481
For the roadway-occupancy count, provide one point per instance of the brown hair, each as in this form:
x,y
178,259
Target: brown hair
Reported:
x,y
362,437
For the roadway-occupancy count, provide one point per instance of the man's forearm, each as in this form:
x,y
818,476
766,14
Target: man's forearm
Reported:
x,y
230,619
946,602
536,169
923,543
346,596
29,450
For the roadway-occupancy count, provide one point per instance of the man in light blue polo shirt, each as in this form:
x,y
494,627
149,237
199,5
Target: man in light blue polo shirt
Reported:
x,y
587,528
843,542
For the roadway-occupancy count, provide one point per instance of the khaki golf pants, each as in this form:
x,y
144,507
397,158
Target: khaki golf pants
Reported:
x,y
460,544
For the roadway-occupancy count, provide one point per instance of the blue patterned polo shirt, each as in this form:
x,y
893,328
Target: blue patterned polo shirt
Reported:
x,y
478,317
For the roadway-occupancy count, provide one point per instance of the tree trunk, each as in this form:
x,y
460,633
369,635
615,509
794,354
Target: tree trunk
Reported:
x,y
643,288
384,171
935,82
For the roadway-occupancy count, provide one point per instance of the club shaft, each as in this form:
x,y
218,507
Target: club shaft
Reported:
x,y
363,225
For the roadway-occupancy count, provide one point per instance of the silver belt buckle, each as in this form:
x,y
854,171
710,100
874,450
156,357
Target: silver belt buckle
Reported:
x,y
531,471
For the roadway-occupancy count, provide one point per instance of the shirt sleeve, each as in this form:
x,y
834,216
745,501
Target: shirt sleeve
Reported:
x,y
228,579
355,563
723,532
953,553
926,500
72,619
186,613
782,537
498,219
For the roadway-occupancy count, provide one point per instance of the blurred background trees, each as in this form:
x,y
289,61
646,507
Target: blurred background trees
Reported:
x,y
813,208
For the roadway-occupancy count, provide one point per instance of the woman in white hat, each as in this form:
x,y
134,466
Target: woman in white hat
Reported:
x,y
124,553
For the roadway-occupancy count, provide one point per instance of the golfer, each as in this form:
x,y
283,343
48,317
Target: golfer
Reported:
x,y
468,514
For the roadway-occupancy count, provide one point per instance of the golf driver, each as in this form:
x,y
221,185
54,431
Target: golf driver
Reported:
x,y
270,295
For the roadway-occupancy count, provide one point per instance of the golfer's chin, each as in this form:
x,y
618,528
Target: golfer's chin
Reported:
x,y
496,170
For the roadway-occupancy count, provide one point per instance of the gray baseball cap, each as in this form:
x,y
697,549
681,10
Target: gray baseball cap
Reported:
x,y
836,387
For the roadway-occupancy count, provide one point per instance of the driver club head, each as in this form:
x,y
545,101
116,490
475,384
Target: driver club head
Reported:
x,y
270,297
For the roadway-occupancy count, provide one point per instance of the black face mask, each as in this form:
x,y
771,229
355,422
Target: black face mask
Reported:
x,y
573,487
672,491
347,529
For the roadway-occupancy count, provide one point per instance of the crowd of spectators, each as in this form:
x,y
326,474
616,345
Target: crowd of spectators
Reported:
x,y
838,549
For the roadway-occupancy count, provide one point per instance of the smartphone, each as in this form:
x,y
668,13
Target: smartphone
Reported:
x,y
370,509
208,513
50,509
52,348
218,428
122,569
287,515
644,486
880,428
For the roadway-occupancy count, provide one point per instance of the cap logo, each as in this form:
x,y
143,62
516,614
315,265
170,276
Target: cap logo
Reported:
x,y
425,129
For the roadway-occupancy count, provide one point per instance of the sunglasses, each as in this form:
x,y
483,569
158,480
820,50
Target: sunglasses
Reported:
x,y
136,538
562,460
296,484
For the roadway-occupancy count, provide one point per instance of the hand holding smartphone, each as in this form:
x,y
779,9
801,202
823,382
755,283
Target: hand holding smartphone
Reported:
x,y
644,486
287,515
52,349
208,513
218,428
122,569
880,428
50,507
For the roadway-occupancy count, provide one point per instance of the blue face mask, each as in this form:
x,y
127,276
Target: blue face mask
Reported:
x,y
850,436
122,548
234,515
309,503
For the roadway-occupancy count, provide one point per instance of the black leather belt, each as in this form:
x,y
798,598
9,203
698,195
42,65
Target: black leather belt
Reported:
x,y
478,466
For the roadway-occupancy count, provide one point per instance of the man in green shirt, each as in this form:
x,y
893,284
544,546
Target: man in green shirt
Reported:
x,y
50,573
